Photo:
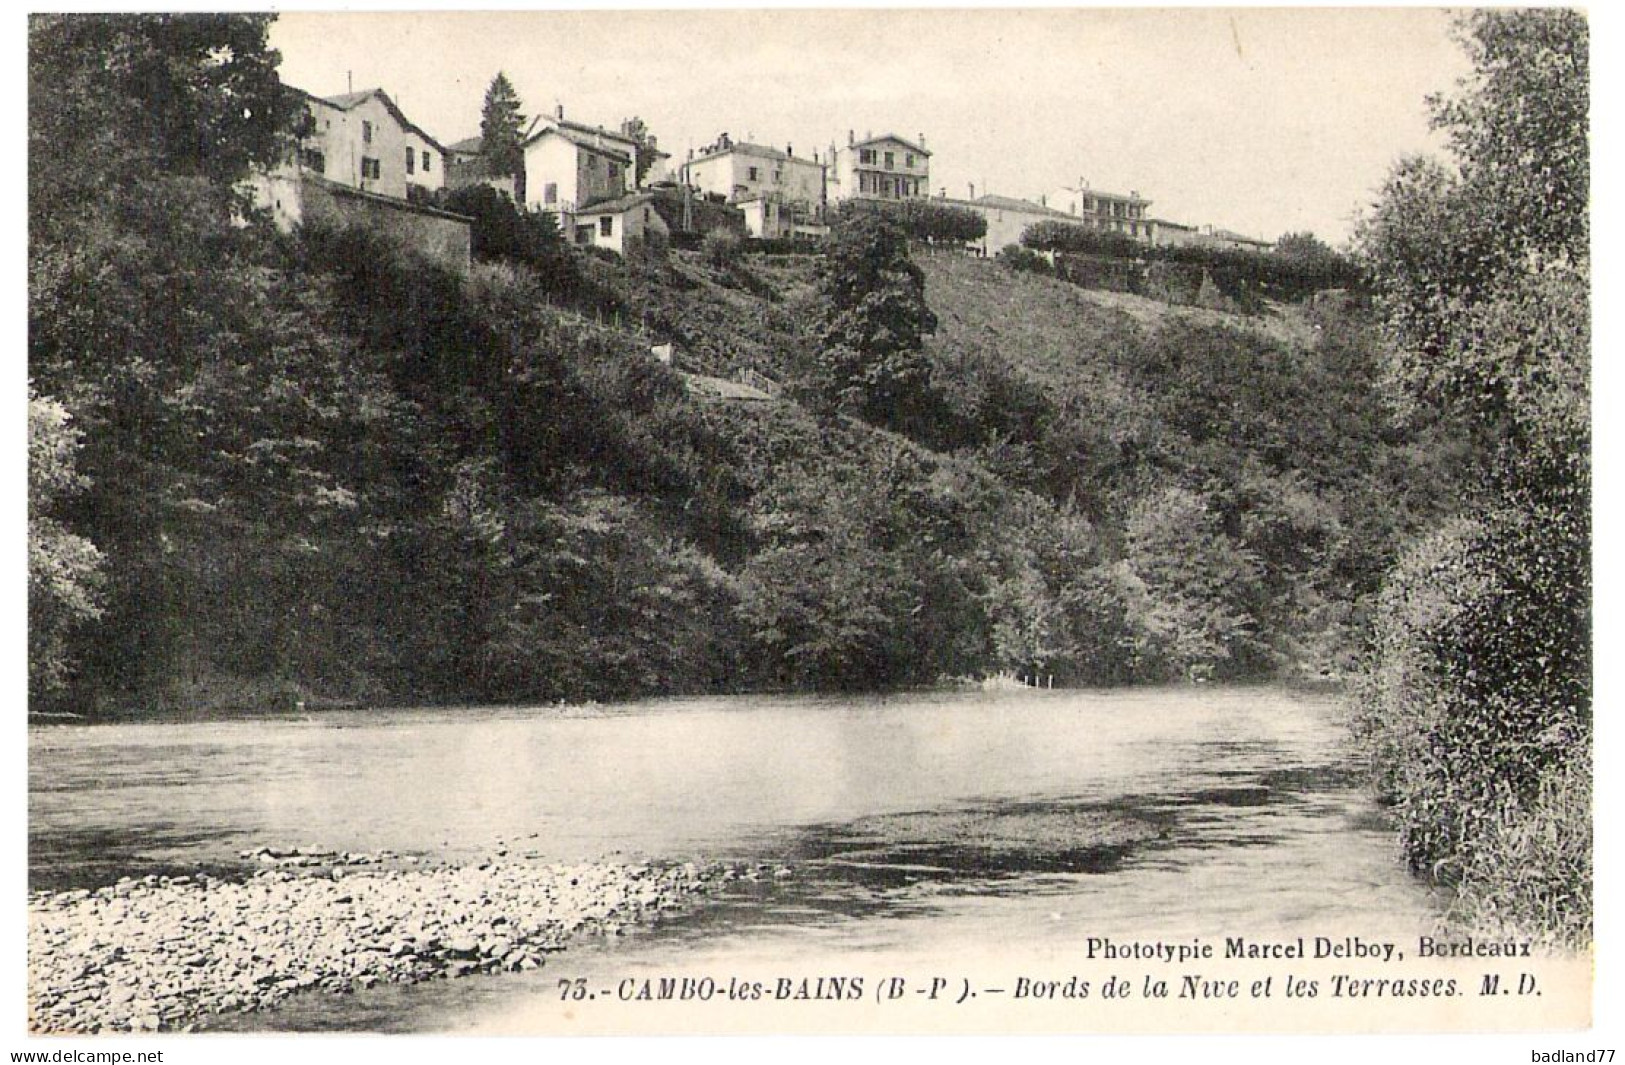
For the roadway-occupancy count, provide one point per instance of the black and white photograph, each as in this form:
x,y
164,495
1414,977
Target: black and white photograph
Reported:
x,y
987,521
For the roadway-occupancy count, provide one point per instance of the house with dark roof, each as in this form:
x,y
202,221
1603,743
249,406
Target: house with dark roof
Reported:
x,y
612,224
465,165
887,167
364,140
570,166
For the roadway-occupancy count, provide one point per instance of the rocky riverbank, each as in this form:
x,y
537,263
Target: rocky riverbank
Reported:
x,y
159,953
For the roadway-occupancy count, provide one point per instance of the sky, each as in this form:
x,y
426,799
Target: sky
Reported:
x,y
1264,121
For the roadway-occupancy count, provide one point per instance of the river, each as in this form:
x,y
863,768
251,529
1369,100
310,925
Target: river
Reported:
x,y
916,827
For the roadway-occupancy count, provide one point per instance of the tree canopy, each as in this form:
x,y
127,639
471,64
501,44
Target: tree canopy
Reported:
x,y
875,321
1478,703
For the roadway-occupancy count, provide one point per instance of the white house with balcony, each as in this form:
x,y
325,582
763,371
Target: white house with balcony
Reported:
x,y
1109,211
887,167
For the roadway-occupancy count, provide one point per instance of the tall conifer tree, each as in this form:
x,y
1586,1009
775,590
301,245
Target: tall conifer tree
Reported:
x,y
501,128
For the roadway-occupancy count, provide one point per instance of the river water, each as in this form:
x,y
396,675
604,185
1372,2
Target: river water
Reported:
x,y
907,827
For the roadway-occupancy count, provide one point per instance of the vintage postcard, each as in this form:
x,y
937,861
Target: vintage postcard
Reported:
x,y
723,522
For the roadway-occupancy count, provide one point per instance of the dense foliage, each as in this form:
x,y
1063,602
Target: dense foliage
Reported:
x,y
1299,266
63,568
875,323
1477,706
923,220
317,466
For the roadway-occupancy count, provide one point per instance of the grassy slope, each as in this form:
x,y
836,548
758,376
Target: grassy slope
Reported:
x,y
1051,330
722,320
755,315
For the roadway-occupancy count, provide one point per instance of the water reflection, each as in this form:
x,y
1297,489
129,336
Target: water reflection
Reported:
x,y
869,825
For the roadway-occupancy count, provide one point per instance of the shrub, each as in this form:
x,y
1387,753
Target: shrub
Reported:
x,y
1477,700
722,248
1083,240
1015,257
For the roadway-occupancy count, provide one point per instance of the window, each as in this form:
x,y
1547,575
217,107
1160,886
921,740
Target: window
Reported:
x,y
909,160
370,168
592,162
778,177
425,162
890,160
755,175
411,160
866,155
314,160
550,192
614,171
606,226
366,133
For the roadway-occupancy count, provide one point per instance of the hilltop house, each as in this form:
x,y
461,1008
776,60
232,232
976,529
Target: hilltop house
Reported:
x,y
613,223
780,192
569,166
357,160
363,140
1007,219
1224,238
879,168
465,165
1166,234
1110,211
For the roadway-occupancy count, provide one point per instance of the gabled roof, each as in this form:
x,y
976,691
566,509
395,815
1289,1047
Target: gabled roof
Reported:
x,y
760,150
582,136
1230,234
351,100
467,146
587,141
905,142
1010,203
1102,194
619,205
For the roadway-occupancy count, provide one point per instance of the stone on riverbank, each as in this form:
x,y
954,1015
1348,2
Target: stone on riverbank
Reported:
x,y
157,953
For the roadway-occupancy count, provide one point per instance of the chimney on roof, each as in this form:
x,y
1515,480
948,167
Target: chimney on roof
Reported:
x,y
922,140
790,150
851,138
558,111
972,195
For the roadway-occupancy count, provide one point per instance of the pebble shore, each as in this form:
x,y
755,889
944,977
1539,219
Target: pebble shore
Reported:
x,y
158,953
